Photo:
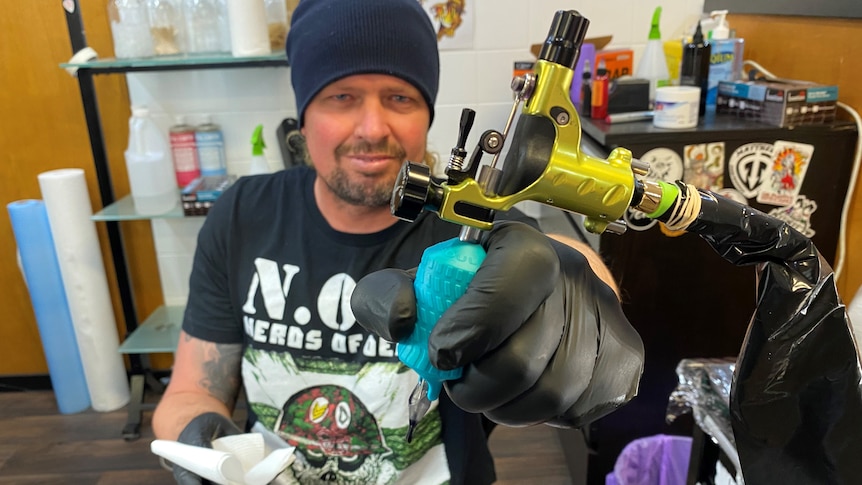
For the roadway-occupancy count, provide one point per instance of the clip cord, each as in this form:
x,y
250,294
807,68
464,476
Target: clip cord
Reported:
x,y
686,209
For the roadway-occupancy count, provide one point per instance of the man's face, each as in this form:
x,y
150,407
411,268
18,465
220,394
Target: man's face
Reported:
x,y
360,129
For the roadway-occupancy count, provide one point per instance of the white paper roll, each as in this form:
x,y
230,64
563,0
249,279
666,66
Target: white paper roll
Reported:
x,y
249,33
216,466
77,245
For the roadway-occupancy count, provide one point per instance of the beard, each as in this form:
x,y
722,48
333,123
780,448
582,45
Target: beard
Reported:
x,y
360,190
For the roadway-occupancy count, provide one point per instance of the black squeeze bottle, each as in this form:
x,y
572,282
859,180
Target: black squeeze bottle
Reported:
x,y
694,70
586,92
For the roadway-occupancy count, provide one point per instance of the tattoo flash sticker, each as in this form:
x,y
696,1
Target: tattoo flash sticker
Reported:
x,y
637,220
664,164
704,165
748,167
786,173
798,215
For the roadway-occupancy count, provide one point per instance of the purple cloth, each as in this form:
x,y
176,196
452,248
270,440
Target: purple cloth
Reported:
x,y
654,460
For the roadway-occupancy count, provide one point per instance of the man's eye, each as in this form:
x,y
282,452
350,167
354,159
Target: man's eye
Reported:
x,y
340,97
401,99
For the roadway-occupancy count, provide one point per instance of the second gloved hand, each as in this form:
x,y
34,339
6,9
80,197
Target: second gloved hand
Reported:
x,y
201,431
541,338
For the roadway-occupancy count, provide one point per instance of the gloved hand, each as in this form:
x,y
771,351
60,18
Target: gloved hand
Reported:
x,y
201,431
540,336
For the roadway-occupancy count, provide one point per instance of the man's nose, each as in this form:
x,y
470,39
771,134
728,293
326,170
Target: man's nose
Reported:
x,y
373,122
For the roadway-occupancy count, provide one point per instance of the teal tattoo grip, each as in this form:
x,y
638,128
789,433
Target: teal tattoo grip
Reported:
x,y
444,272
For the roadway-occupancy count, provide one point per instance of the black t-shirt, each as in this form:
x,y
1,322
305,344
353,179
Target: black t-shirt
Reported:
x,y
270,273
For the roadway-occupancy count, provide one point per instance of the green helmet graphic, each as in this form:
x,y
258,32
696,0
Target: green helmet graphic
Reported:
x,y
331,421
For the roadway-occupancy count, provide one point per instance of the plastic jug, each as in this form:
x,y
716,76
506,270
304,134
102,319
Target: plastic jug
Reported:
x,y
151,173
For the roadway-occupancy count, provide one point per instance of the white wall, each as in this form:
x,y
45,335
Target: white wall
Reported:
x,y
239,99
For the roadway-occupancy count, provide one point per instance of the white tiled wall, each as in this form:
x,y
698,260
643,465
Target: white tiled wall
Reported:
x,y
239,99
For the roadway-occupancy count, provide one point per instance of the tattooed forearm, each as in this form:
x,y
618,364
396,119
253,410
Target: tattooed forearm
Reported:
x,y
222,369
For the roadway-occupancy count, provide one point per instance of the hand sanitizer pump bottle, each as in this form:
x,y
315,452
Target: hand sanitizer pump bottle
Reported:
x,y
725,60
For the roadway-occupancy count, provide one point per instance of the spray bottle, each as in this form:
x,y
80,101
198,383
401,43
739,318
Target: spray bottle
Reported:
x,y
259,165
653,64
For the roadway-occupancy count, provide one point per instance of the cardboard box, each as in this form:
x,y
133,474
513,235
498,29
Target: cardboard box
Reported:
x,y
779,103
618,62
597,42
199,195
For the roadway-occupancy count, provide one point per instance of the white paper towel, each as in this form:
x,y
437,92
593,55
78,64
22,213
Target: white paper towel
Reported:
x,y
249,32
241,459
77,244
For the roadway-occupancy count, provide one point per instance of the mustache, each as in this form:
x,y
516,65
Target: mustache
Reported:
x,y
383,147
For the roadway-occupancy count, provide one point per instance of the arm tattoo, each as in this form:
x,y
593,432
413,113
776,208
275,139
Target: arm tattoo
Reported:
x,y
222,369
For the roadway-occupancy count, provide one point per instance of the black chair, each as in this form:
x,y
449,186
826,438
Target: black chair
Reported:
x,y
291,143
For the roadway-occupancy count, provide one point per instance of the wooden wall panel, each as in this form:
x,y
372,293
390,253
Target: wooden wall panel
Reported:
x,y
822,50
42,128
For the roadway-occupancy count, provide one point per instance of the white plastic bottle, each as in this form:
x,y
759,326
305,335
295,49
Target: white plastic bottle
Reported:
x,y
653,63
148,161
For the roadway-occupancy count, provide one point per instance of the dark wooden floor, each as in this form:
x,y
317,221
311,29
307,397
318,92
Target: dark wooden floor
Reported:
x,y
40,446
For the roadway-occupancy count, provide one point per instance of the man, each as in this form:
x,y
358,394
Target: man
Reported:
x,y
279,256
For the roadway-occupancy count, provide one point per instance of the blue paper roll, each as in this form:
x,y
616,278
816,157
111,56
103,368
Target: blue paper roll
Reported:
x,y
48,296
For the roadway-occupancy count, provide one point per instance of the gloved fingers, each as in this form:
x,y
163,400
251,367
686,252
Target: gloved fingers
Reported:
x,y
185,477
597,361
570,370
616,374
508,370
384,303
206,427
520,270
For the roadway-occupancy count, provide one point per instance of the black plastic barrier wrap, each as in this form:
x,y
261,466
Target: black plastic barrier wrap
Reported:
x,y
796,398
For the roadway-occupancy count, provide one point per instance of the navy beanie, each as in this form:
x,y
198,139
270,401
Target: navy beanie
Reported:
x,y
332,39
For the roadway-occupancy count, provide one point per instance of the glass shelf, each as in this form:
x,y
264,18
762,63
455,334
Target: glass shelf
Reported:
x,y
178,62
124,210
160,332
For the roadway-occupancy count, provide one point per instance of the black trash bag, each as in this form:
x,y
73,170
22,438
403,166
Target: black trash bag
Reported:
x,y
796,398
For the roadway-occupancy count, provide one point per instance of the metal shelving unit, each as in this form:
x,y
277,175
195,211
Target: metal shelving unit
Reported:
x,y
159,330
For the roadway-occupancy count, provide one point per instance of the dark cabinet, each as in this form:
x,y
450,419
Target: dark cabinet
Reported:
x,y
682,297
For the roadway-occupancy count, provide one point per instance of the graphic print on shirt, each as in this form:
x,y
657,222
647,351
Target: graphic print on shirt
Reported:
x,y
326,386
336,434
339,334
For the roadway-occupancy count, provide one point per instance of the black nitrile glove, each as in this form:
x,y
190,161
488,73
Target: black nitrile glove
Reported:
x,y
541,338
201,431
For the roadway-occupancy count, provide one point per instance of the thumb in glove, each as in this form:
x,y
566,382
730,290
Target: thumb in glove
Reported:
x,y
201,431
540,337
